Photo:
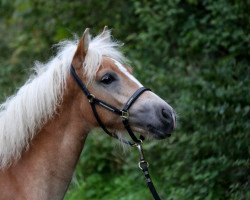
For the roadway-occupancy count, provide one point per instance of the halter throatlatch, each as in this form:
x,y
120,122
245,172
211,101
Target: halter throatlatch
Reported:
x,y
124,114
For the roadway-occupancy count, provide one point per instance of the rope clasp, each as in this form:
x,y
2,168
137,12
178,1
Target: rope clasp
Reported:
x,y
143,164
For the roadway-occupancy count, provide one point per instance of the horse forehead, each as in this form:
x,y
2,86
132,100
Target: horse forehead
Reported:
x,y
119,69
110,63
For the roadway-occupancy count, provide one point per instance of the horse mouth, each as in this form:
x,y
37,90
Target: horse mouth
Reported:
x,y
152,132
157,133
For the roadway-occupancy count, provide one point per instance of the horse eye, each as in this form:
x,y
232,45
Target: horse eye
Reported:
x,y
107,79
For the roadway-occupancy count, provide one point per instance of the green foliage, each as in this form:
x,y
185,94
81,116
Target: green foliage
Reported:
x,y
193,53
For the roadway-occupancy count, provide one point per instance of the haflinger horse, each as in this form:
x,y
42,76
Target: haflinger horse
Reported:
x,y
43,126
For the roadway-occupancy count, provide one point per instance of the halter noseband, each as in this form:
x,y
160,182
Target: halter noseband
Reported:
x,y
123,113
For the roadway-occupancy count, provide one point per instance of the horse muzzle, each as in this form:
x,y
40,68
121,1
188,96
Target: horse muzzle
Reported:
x,y
154,120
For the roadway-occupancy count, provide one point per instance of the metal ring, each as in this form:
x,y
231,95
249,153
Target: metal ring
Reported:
x,y
143,161
125,115
91,98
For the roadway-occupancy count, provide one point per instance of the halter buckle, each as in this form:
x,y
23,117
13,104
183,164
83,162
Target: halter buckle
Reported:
x,y
91,98
124,115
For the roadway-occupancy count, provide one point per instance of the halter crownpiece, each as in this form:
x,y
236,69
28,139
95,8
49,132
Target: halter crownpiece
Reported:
x,y
124,114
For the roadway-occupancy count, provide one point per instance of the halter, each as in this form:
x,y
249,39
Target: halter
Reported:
x,y
124,114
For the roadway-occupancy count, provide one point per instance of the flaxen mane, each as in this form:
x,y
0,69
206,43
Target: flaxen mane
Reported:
x,y
23,114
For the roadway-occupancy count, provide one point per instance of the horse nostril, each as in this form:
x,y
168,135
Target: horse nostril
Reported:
x,y
165,113
168,119
167,116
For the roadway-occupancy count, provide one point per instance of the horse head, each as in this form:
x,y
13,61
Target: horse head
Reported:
x,y
108,78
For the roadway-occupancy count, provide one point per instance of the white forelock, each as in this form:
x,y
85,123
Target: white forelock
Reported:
x,y
24,114
101,46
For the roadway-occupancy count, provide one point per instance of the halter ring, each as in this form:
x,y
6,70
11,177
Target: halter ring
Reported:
x,y
91,98
124,115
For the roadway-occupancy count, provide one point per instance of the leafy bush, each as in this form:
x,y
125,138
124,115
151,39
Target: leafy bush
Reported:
x,y
193,53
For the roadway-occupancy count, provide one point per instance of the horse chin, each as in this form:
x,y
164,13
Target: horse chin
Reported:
x,y
152,133
157,133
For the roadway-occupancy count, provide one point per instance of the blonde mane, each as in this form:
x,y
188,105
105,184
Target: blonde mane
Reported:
x,y
24,114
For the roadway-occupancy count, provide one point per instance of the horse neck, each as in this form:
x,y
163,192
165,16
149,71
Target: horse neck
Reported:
x,y
46,169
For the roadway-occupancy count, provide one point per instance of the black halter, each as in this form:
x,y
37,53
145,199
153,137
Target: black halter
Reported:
x,y
124,114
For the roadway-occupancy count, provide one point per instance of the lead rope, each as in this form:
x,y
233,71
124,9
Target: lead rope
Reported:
x,y
143,164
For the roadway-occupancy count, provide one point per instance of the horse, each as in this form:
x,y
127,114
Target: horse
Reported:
x,y
43,127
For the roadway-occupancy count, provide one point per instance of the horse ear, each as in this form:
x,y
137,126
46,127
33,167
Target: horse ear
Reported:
x,y
82,49
105,29
106,33
86,40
